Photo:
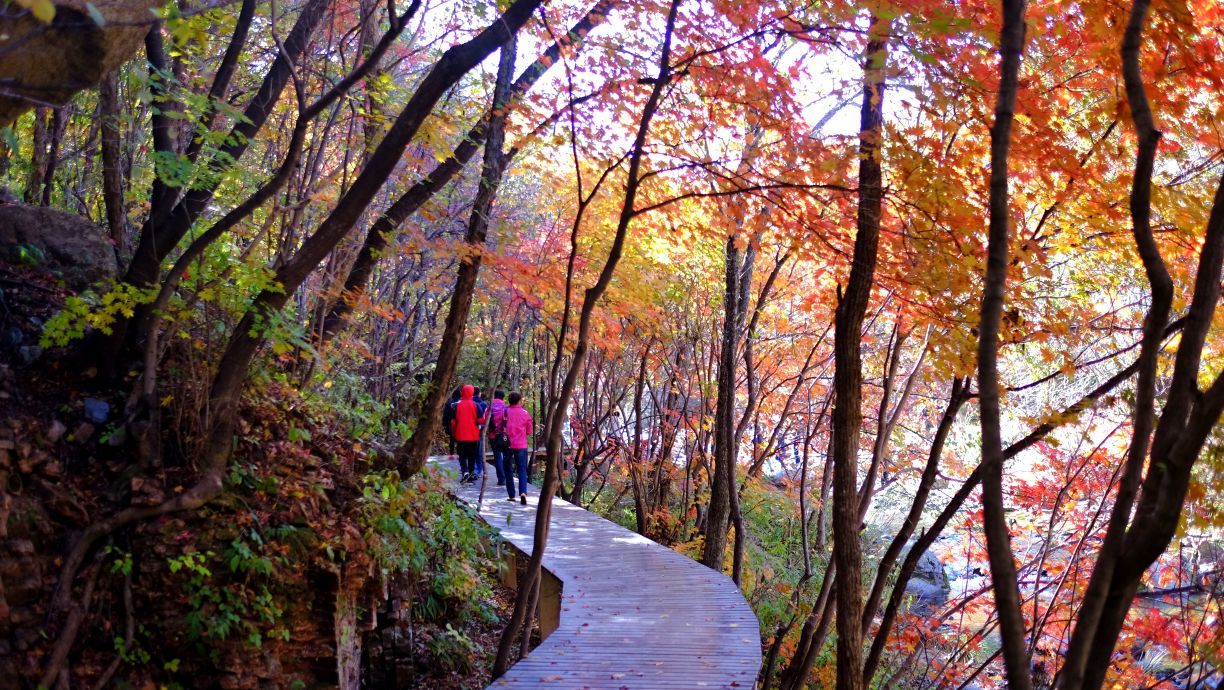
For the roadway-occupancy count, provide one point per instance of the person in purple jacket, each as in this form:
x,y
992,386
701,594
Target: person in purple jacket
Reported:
x,y
518,430
497,427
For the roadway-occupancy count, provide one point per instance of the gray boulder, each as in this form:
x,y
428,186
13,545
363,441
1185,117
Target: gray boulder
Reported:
x,y
929,584
66,245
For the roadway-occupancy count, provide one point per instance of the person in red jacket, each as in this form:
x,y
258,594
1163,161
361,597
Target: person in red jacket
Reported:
x,y
468,420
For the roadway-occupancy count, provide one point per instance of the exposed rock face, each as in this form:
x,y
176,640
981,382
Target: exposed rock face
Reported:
x,y
43,64
929,584
66,245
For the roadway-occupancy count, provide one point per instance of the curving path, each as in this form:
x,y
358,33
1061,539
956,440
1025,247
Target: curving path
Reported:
x,y
634,615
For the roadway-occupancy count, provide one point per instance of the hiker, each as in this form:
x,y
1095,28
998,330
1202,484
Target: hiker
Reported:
x,y
518,432
467,422
480,446
497,435
448,418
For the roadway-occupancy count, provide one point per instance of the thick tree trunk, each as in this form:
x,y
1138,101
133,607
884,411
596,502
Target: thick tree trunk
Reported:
x,y
728,430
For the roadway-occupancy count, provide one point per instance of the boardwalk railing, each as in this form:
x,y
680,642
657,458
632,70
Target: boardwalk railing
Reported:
x,y
632,614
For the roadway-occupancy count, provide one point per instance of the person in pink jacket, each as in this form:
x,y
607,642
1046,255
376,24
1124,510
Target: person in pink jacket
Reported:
x,y
519,430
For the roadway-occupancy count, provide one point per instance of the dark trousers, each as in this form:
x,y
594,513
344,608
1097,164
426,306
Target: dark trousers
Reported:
x,y
516,464
469,456
500,461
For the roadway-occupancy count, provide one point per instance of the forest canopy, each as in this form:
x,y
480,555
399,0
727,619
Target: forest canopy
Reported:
x,y
901,313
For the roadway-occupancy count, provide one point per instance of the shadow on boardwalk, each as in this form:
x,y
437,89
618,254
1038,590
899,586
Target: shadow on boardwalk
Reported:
x,y
634,614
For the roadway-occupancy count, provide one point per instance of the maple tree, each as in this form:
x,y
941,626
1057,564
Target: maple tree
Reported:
x,y
937,386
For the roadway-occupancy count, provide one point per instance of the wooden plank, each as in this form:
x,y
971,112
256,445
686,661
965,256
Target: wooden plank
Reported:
x,y
634,615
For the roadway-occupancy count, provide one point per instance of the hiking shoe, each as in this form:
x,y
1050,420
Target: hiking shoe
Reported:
x,y
523,499
501,483
510,498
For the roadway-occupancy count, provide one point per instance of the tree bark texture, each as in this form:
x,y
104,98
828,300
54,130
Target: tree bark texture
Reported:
x,y
998,535
112,167
848,366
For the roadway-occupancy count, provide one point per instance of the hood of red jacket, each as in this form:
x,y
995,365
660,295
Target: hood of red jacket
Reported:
x,y
467,392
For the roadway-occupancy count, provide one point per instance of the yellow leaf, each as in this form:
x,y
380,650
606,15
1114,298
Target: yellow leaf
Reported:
x,y
42,10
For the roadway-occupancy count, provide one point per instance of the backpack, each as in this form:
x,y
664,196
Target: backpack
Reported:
x,y
501,441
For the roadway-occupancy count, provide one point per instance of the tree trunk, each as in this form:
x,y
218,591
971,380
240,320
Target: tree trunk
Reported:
x,y
38,157
168,222
929,474
848,367
812,635
971,482
59,123
718,515
169,217
411,455
411,201
1188,418
112,172
232,369
635,453
557,417
1144,411
998,535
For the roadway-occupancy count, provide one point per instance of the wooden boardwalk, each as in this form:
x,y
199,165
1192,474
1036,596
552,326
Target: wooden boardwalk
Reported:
x,y
634,615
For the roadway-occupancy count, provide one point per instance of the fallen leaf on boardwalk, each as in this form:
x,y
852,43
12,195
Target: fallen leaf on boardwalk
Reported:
x,y
546,679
